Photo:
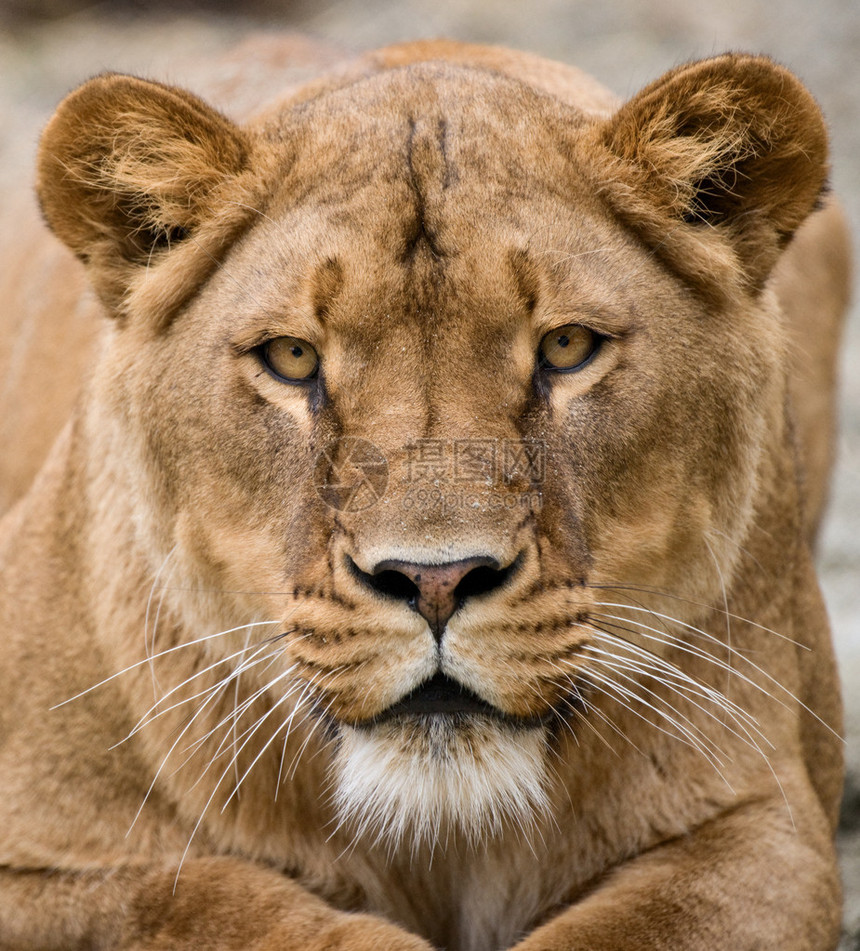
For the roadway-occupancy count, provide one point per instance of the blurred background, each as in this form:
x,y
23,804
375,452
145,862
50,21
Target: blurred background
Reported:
x,y
49,46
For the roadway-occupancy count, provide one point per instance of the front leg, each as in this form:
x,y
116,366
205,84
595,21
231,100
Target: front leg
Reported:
x,y
745,881
218,904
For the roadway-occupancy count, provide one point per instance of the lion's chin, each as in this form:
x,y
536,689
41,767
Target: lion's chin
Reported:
x,y
418,780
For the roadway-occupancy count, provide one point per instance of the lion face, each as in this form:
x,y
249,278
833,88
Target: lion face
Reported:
x,y
433,415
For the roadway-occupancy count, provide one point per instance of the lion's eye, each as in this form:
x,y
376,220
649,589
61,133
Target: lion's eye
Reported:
x,y
290,358
568,348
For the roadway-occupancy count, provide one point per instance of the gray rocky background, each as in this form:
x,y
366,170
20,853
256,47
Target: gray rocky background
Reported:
x,y
48,46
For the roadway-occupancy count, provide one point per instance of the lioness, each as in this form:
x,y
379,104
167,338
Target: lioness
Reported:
x,y
427,561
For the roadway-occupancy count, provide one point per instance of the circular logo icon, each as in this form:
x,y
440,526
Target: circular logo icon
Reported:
x,y
351,474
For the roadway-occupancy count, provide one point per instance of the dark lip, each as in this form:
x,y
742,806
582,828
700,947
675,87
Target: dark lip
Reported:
x,y
442,695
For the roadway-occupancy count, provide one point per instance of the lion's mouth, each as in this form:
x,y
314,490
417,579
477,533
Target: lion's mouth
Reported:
x,y
442,695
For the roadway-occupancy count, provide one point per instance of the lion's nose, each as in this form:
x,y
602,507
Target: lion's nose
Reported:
x,y
436,591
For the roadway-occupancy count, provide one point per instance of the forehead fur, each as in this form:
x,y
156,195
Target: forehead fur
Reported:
x,y
433,126
414,158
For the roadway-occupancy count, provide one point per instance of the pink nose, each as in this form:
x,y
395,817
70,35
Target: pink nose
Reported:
x,y
441,588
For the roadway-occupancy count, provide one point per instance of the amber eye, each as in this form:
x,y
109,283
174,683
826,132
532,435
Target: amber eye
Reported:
x,y
568,347
290,358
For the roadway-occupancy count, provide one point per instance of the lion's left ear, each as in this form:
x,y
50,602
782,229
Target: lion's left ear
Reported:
x,y
735,143
128,169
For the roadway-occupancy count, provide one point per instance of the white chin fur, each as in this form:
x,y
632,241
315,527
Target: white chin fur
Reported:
x,y
420,779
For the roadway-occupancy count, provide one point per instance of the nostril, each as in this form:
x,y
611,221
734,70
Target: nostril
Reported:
x,y
482,580
393,584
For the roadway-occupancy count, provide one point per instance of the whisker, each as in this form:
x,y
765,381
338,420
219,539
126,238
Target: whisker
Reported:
x,y
673,670
288,724
226,724
265,746
150,716
242,709
146,630
726,609
740,548
164,653
220,780
295,762
568,684
211,694
669,640
236,681
687,686
663,637
211,589
646,589
594,710
208,803
618,668
220,688
615,691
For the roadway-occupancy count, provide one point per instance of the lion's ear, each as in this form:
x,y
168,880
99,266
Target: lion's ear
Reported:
x,y
128,168
734,143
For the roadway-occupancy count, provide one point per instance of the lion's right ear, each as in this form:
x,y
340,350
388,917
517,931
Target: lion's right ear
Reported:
x,y
733,147
128,168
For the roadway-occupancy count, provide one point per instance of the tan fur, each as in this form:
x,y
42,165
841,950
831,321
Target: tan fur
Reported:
x,y
195,649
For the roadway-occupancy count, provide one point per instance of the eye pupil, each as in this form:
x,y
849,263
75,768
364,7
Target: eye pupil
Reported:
x,y
563,340
296,351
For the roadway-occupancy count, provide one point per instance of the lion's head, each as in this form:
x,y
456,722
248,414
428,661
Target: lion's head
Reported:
x,y
436,378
